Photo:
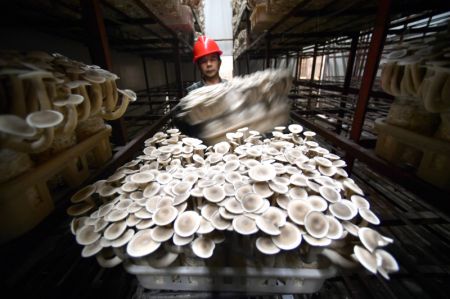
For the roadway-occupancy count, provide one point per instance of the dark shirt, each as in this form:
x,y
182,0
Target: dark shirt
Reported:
x,y
199,84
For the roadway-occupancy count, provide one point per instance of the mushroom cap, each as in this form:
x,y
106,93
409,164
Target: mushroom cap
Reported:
x,y
263,189
208,210
298,193
80,208
72,99
369,216
276,215
388,262
129,93
151,189
123,239
289,238
132,220
316,224
116,215
341,211
367,259
352,187
142,244
129,187
222,147
295,128
205,226
297,210
219,222
329,193
161,258
266,245
316,242
262,172
163,178
14,125
267,226
144,214
283,201
87,235
44,119
252,202
299,180
214,193
352,228
142,177
278,188
317,203
165,215
162,234
244,225
360,202
181,188
323,161
115,230
187,223
234,206
371,239
123,204
203,247
181,241
91,249
335,229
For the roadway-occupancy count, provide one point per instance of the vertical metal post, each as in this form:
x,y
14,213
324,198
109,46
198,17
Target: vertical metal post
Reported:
x,y
313,67
287,60
166,75
297,65
347,81
97,41
144,66
178,77
370,70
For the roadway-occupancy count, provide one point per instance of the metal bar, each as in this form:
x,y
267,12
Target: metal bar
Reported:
x,y
313,66
297,65
97,41
348,79
373,59
166,75
178,70
142,6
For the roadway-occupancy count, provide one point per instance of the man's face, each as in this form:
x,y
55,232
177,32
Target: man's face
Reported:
x,y
209,65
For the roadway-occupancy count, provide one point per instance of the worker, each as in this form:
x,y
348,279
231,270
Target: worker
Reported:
x,y
207,57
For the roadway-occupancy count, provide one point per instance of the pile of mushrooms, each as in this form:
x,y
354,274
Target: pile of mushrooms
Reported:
x,y
51,102
284,196
417,73
258,101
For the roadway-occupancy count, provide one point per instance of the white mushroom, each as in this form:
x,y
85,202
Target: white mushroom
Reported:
x,y
181,241
371,239
369,216
203,247
266,245
266,225
252,202
115,230
289,238
244,225
187,223
87,235
316,224
162,234
367,259
165,215
263,172
142,244
388,263
297,210
214,193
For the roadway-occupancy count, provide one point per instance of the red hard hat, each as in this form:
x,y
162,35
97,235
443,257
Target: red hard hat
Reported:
x,y
205,46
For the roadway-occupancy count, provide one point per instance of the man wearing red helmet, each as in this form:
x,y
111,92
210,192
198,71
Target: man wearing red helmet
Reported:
x,y
207,57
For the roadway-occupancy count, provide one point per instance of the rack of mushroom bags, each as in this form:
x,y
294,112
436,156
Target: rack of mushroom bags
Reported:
x,y
275,214
53,131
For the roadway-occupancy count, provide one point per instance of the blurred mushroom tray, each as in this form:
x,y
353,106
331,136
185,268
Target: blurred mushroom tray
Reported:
x,y
248,213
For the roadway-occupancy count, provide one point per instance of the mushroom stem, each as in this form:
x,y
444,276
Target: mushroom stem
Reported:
x,y
109,96
18,106
71,120
118,112
43,143
38,87
338,259
86,105
433,101
115,93
96,95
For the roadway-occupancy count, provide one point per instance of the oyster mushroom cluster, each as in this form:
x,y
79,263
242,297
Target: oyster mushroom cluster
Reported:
x,y
258,100
417,73
51,102
283,194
